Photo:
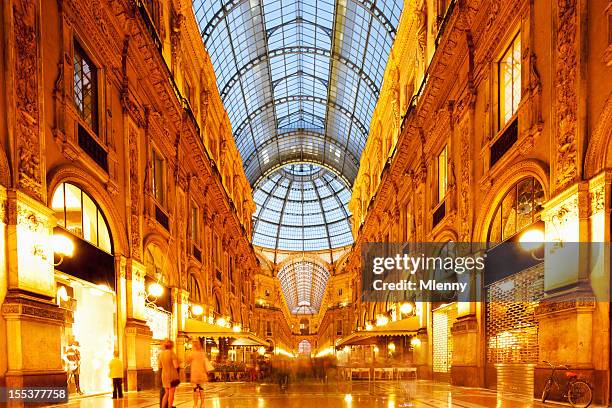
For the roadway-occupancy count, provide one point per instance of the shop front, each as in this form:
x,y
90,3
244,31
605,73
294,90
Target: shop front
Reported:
x,y
86,289
444,316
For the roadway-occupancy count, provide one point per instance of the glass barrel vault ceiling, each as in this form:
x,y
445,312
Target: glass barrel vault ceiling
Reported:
x,y
300,80
303,283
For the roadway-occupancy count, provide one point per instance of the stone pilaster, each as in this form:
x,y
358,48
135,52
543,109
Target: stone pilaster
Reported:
x,y
421,355
574,316
137,334
29,312
138,351
465,368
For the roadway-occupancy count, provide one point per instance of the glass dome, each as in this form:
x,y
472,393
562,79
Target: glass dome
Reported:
x,y
302,207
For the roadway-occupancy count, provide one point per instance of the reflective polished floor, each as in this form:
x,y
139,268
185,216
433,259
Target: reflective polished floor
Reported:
x,y
388,394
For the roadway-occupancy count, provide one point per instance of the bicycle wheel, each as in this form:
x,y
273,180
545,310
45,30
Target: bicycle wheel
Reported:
x,y
580,394
546,389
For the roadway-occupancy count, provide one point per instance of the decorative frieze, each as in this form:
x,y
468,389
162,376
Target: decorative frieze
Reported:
x,y
566,98
28,111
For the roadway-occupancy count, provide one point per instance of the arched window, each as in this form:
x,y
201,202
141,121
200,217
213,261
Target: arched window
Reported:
x,y
79,214
304,347
517,210
195,294
156,264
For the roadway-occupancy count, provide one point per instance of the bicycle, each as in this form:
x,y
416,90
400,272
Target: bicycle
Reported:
x,y
577,391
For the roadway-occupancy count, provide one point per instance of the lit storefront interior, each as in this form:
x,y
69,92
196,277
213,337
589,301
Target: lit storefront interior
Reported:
x,y
85,284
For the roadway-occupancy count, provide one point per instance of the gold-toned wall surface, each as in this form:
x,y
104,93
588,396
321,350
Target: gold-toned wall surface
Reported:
x,y
444,93
156,156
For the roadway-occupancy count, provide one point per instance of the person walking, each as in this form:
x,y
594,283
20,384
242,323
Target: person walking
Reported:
x,y
168,363
199,371
116,374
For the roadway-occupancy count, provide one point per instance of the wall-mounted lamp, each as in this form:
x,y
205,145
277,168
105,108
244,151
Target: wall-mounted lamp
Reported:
x,y
62,247
154,291
197,310
407,308
531,240
236,328
415,342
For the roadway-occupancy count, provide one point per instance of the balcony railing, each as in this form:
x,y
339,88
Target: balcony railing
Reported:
x,y
162,218
439,214
93,149
504,142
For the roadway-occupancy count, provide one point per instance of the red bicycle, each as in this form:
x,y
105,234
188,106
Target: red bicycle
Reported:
x,y
577,391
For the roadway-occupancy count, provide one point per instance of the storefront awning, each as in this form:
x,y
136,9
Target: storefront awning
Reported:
x,y
249,340
204,329
405,327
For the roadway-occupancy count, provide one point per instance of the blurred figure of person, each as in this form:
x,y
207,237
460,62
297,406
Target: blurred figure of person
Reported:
x,y
199,371
168,364
116,374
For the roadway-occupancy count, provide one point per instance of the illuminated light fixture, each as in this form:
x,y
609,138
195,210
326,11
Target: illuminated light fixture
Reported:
x,y
236,328
62,245
369,326
348,398
376,349
155,289
261,350
197,310
415,342
532,239
391,346
62,294
221,321
406,308
346,349
381,320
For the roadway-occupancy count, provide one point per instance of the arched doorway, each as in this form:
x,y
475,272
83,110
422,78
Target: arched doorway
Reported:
x,y
86,287
304,348
513,292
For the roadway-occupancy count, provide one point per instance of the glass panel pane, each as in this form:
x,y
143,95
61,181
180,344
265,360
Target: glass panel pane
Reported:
x,y
104,240
525,207
495,228
508,209
90,220
74,220
57,204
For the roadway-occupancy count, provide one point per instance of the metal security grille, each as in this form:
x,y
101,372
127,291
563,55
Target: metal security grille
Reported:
x,y
443,320
512,330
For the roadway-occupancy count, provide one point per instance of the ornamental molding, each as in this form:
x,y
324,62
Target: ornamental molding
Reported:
x,y
28,111
498,187
20,308
565,94
551,307
598,153
70,173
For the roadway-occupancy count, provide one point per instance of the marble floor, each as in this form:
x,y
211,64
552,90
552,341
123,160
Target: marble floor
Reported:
x,y
357,394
